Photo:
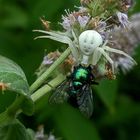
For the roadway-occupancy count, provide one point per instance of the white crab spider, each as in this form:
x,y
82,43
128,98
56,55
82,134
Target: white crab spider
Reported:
x,y
90,44
88,41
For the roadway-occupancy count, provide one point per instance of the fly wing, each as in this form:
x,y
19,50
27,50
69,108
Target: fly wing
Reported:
x,y
85,101
60,94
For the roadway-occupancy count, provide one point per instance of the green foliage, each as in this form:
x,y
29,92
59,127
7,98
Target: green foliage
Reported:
x,y
14,131
13,78
12,75
74,126
108,95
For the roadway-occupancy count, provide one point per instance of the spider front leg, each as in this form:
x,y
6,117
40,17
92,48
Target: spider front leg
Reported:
x,y
60,37
96,56
119,52
74,36
51,33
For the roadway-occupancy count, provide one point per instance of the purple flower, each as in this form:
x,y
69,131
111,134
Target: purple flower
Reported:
x,y
83,20
68,20
123,19
66,23
102,25
47,61
125,64
104,35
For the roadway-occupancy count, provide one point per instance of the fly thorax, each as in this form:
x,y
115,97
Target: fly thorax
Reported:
x,y
81,74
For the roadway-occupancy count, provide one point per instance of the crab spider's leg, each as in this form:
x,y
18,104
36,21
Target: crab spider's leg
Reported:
x,y
74,36
74,50
65,41
106,41
59,35
52,33
53,38
107,57
61,38
119,52
75,41
56,36
96,56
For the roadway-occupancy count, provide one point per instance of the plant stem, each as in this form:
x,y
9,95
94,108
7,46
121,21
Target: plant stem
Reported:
x,y
4,118
46,88
11,111
45,75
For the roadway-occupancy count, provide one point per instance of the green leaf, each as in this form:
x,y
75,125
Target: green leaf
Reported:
x,y
73,125
13,78
14,131
107,90
12,75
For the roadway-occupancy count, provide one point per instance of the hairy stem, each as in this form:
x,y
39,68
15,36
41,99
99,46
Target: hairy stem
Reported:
x,y
4,117
14,109
11,111
45,75
47,88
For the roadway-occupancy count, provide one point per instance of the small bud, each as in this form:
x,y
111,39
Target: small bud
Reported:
x,y
126,4
68,20
46,24
83,20
123,19
47,61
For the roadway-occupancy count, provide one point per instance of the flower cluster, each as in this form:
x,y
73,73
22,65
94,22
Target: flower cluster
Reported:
x,y
50,58
100,15
75,19
99,18
126,40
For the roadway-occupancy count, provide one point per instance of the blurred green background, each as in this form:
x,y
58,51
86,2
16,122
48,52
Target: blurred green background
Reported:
x,y
116,103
